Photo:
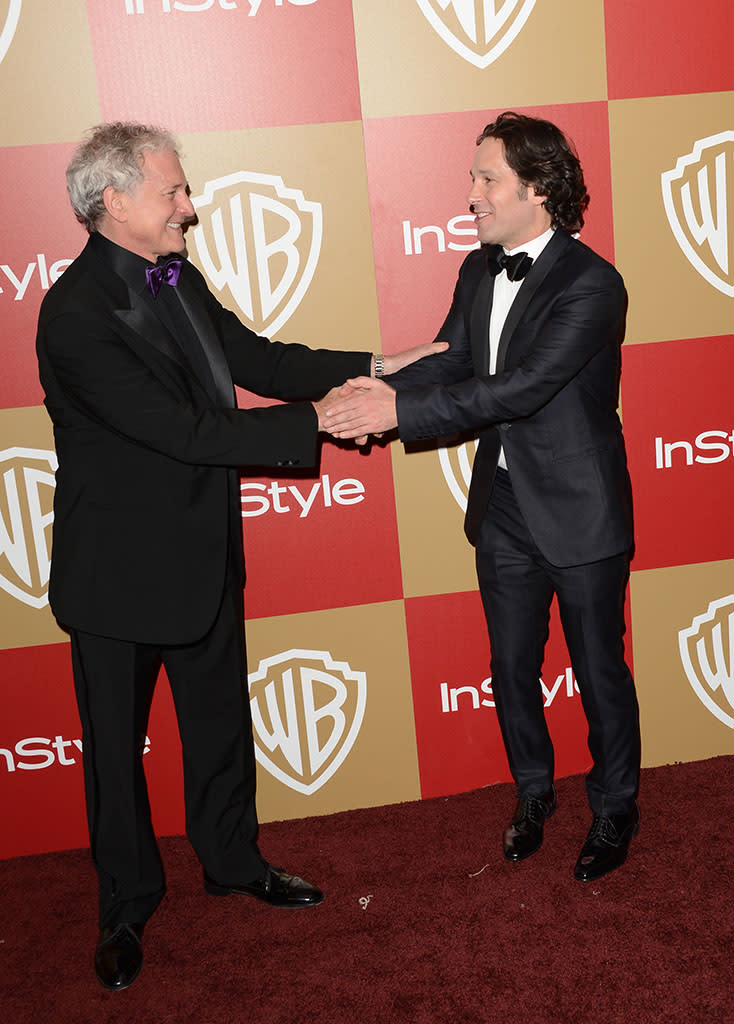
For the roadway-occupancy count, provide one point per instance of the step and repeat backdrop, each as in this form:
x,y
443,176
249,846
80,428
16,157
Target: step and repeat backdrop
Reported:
x,y
327,145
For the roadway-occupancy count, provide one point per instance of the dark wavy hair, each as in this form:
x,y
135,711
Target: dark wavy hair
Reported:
x,y
545,160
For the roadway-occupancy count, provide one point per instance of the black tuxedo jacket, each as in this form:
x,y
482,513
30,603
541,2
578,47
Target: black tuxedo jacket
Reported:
x,y
145,484
551,404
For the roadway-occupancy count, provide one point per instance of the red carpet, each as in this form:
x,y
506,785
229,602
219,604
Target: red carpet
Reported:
x,y
424,923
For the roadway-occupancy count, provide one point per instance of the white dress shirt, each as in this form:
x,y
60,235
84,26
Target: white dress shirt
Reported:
x,y
502,299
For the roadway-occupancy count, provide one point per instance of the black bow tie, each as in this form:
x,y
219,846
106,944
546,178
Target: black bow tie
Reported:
x,y
516,266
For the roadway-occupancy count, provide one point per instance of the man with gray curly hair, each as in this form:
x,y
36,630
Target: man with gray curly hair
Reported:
x,y
112,155
138,359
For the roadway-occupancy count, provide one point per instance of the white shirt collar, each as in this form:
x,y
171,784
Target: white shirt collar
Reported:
x,y
535,246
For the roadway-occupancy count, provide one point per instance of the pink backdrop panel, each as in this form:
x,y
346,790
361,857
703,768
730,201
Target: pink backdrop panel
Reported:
x,y
678,424
208,65
418,174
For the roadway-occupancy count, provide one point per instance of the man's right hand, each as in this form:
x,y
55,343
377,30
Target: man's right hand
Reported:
x,y
325,404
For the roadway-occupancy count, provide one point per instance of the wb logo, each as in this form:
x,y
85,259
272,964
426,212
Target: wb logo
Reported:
x,y
26,515
707,653
696,195
261,241
478,30
456,466
307,710
12,13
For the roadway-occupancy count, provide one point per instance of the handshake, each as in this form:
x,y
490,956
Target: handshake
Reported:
x,y
365,406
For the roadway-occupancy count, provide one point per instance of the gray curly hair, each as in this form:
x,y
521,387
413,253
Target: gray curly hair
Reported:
x,y
113,155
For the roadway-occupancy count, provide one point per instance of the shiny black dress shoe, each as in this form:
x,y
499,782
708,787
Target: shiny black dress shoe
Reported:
x,y
119,956
277,888
607,844
525,833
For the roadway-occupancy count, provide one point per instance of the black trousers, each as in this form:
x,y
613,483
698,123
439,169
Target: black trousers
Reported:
x,y
517,586
114,682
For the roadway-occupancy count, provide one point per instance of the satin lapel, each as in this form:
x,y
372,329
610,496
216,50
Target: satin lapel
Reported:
x,y
211,346
479,325
535,277
141,319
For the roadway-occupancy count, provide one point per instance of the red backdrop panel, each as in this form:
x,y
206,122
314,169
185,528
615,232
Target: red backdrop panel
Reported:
x,y
418,175
40,239
459,741
322,541
42,796
42,791
657,48
678,393
206,65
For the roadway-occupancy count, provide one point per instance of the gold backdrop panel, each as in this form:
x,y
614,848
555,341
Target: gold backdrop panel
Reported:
x,y
332,711
284,231
27,482
431,486
428,56
683,629
674,213
47,78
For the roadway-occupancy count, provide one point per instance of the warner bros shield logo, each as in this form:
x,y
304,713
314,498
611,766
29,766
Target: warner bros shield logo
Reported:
x,y
697,194
707,653
27,483
307,710
11,9
478,30
456,465
261,241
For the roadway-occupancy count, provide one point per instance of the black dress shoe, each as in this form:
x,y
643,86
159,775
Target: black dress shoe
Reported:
x,y
119,956
607,844
525,833
277,888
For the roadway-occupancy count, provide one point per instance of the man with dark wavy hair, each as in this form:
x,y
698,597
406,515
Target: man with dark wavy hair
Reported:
x,y
535,330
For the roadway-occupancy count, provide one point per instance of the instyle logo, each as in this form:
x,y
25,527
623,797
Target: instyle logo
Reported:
x,y
709,446
12,13
474,698
195,6
39,268
478,30
260,240
37,752
433,236
696,196
456,465
307,710
707,652
258,499
26,515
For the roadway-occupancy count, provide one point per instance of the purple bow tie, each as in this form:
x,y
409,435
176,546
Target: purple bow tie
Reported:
x,y
170,271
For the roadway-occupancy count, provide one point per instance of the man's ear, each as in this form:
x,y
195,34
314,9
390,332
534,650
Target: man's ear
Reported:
x,y
115,203
536,197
